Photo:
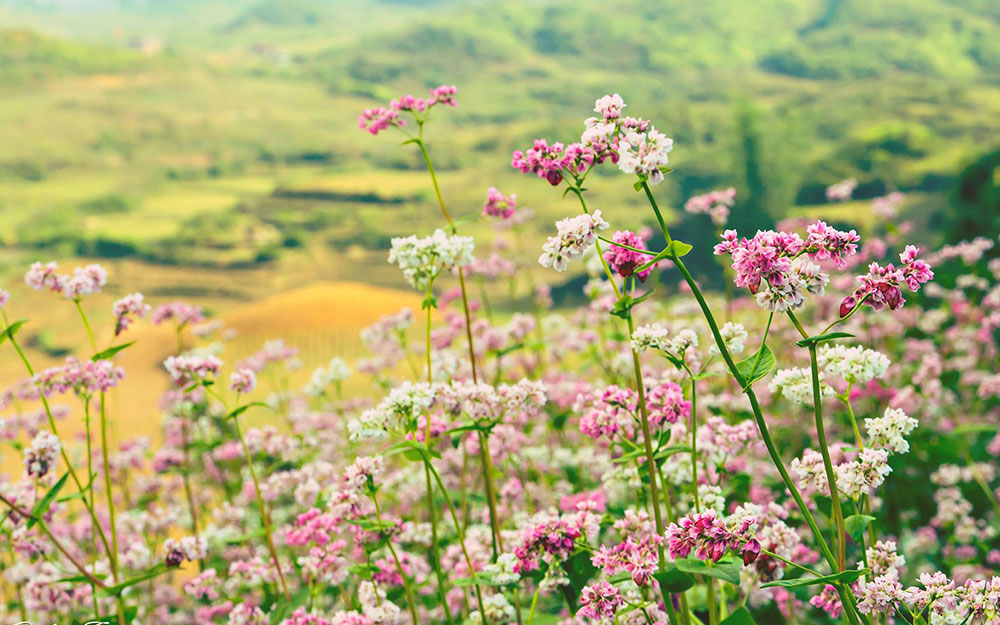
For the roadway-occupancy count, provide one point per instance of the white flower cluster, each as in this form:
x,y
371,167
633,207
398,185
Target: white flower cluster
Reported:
x,y
804,276
859,476
423,259
796,385
655,336
43,454
502,572
644,152
734,335
497,608
323,377
575,235
890,430
399,409
856,365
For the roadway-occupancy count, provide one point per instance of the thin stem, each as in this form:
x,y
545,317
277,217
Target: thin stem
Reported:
x,y
656,209
838,514
113,556
263,509
399,566
461,534
58,545
435,555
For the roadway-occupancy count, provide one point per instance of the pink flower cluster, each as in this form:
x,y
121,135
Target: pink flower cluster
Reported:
x,y
624,261
375,120
709,538
499,205
549,540
127,309
638,558
185,369
179,312
880,287
83,377
715,204
550,161
606,413
666,404
83,281
841,191
600,602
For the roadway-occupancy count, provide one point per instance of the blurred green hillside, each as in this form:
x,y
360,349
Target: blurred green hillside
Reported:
x,y
223,134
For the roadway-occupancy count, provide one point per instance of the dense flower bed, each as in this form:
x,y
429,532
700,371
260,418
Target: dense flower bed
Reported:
x,y
814,448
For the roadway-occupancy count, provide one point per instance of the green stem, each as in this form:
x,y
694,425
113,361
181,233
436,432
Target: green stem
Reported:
x,y
838,513
435,555
399,567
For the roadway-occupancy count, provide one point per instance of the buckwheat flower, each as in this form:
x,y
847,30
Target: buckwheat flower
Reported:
x,y
884,561
644,152
624,261
497,610
187,368
4,297
606,413
243,381
335,372
828,600
544,160
127,309
575,235
85,280
600,602
502,571
826,243
709,537
424,259
938,593
795,385
855,364
880,595
189,548
860,476
301,617
247,614
179,312
43,454
651,336
666,404
841,191
610,106
375,120
881,286
44,277
715,204
890,430
499,205
734,335
373,424
638,558
203,586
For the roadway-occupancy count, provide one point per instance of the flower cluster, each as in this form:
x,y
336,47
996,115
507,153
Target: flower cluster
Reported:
x,y
85,280
377,119
881,286
575,235
709,537
625,261
499,205
422,260
715,204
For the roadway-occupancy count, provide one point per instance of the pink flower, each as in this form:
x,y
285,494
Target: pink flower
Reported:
x,y
709,538
624,261
828,600
666,404
637,558
127,309
499,205
180,312
600,601
378,119
243,381
715,204
880,287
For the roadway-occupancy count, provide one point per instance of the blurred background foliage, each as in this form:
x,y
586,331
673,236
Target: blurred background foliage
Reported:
x,y
221,135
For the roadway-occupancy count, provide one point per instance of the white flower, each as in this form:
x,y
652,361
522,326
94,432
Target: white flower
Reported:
x,y
644,153
856,365
796,385
575,234
336,371
651,336
889,431
502,571
734,335
864,474
423,259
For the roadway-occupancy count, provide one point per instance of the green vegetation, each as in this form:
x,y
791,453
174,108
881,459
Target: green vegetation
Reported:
x,y
222,134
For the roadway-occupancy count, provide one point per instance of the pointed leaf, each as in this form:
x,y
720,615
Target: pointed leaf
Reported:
x,y
856,524
673,580
43,504
757,366
678,248
844,576
820,338
740,616
154,571
111,351
727,570
11,330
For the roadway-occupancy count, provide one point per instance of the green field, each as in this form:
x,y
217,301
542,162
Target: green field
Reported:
x,y
222,135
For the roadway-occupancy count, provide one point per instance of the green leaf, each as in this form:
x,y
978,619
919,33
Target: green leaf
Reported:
x,y
844,576
856,524
78,494
128,614
111,351
148,574
728,570
241,409
666,452
411,450
673,580
757,366
11,330
43,504
678,248
821,338
623,307
740,616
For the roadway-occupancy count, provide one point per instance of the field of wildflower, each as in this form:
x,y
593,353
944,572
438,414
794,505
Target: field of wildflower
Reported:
x,y
814,439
